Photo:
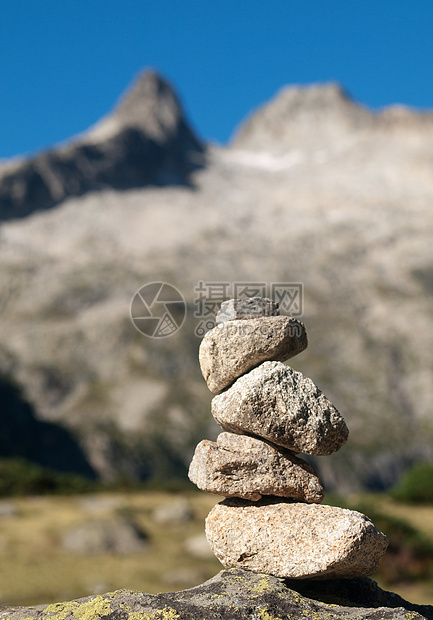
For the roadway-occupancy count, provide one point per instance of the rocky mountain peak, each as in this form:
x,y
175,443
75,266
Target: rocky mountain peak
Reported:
x,y
307,116
320,117
146,140
149,104
314,97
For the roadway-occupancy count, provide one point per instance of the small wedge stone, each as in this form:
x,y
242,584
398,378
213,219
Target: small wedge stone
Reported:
x,y
250,308
281,405
246,467
293,540
233,348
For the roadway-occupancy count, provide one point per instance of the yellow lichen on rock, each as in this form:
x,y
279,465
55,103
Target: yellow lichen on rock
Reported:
x,y
265,615
262,586
168,613
96,608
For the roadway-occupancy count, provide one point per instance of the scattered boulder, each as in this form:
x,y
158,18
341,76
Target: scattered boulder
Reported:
x,y
101,504
198,546
118,535
7,509
178,510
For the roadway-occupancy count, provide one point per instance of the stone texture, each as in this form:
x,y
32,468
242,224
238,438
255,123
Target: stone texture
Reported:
x,y
275,402
246,467
235,347
238,595
294,540
250,308
118,535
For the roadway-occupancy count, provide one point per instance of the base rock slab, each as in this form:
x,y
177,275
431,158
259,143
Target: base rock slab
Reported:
x,y
238,595
294,540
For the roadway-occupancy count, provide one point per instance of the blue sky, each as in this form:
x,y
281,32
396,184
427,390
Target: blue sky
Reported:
x,y
64,64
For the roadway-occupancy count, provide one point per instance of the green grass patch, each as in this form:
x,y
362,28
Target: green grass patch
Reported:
x,y
19,477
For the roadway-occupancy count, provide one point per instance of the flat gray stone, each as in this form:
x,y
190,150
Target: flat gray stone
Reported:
x,y
279,404
250,308
233,348
246,467
294,540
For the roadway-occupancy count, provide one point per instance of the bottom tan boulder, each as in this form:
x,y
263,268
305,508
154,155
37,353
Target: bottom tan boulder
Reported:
x,y
294,540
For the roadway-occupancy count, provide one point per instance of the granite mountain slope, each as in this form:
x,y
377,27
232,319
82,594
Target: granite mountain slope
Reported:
x,y
313,188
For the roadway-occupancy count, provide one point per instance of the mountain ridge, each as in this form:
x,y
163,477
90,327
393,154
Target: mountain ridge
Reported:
x,y
319,114
146,140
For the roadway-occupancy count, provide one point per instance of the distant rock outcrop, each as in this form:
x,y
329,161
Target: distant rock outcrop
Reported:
x,y
118,535
315,117
144,141
237,594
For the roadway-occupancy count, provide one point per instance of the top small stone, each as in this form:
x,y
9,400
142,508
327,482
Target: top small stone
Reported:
x,y
251,308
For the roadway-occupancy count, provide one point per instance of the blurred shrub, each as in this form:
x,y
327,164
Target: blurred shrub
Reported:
x,y
416,486
21,477
410,553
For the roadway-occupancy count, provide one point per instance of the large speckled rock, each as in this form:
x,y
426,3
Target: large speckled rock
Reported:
x,y
117,535
294,540
234,347
238,595
249,308
246,467
275,402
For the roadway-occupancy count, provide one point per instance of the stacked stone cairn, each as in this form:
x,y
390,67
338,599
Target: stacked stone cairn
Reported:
x,y
272,520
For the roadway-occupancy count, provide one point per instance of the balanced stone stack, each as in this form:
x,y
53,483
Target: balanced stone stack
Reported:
x,y
272,520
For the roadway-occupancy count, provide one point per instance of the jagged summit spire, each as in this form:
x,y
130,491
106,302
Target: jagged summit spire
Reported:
x,y
149,103
325,98
145,140
149,87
